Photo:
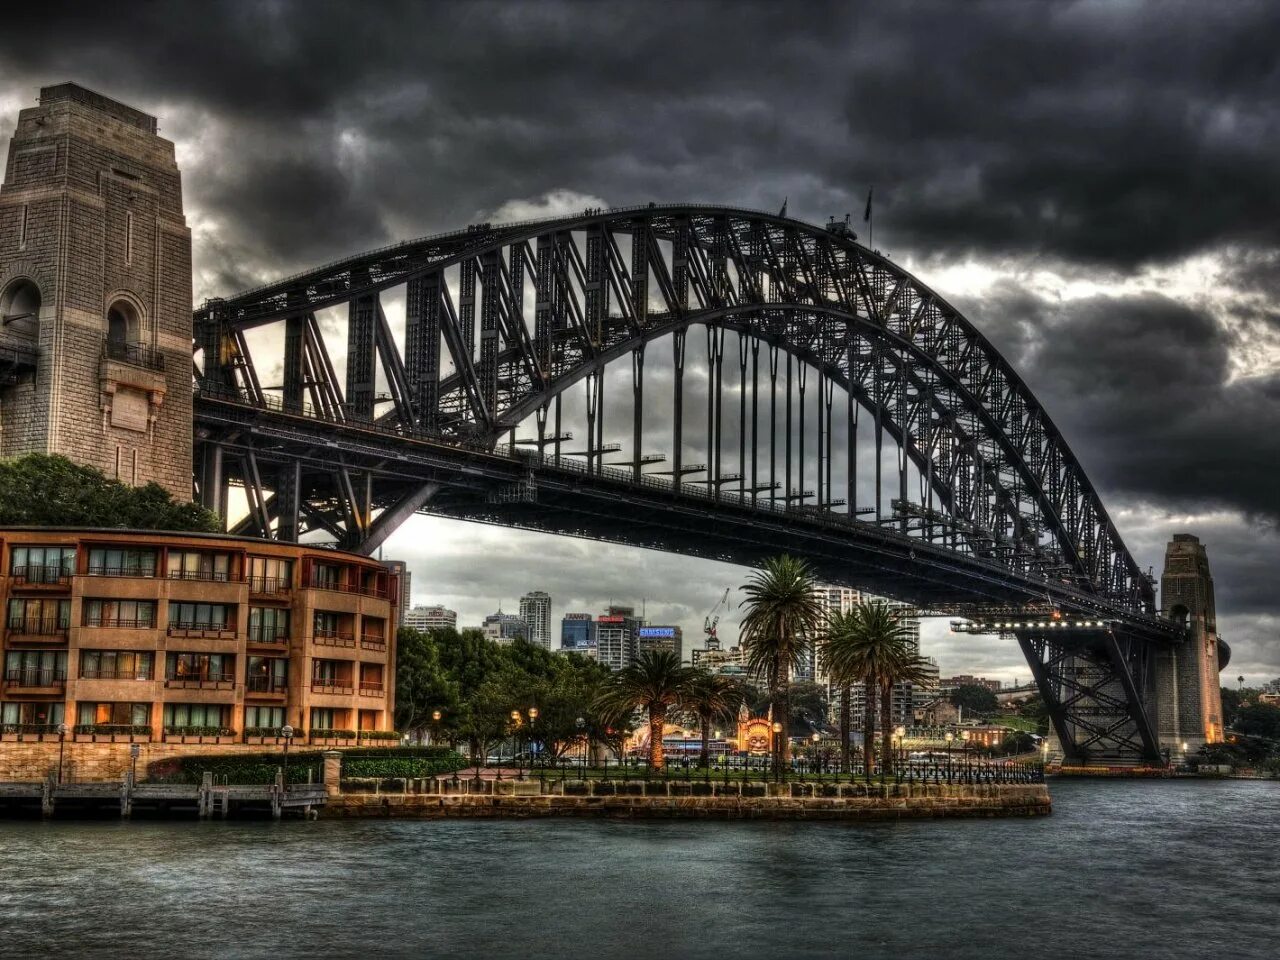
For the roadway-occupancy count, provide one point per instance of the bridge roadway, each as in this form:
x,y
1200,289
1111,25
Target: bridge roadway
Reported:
x,y
519,488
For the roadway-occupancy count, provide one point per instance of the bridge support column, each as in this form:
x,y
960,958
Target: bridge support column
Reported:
x,y
1188,691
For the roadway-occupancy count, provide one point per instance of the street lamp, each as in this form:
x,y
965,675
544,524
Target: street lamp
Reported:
x,y
287,733
816,737
898,733
777,751
62,736
533,716
515,720
581,724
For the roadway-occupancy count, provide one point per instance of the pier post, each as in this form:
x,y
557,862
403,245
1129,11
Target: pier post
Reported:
x,y
205,805
332,773
46,797
126,795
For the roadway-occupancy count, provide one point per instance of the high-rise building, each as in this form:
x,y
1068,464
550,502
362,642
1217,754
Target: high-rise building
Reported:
x,y
834,599
431,618
401,570
504,627
578,634
535,611
655,637
720,660
95,291
617,637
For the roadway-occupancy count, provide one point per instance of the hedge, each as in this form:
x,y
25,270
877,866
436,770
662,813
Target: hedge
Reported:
x,y
306,765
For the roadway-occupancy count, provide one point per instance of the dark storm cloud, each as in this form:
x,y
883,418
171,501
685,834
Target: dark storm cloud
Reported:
x,y
1110,133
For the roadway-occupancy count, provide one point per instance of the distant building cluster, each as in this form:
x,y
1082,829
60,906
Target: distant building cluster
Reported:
x,y
431,618
951,684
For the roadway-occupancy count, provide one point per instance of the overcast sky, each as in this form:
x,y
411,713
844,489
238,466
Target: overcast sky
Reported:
x,y
1095,185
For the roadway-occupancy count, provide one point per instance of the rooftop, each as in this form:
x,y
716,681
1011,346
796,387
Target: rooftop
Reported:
x,y
96,101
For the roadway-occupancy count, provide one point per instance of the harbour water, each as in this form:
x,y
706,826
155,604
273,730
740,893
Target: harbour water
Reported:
x,y
1123,869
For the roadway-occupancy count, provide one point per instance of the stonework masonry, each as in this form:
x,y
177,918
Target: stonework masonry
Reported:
x,y
1189,692
95,276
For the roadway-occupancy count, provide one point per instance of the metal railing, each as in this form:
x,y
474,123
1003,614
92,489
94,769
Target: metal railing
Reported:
x,y
213,681
333,638
194,626
371,688
268,636
105,571
270,586
35,677
87,673
135,354
42,574
334,686
373,643
266,684
40,627
122,623
212,576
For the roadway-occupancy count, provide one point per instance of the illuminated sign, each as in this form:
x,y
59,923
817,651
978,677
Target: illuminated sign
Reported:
x,y
610,619
657,632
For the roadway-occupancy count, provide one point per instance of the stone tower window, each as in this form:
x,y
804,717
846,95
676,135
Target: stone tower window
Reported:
x,y
122,323
20,309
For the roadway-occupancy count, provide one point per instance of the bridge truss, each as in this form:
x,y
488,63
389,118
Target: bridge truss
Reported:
x,y
838,408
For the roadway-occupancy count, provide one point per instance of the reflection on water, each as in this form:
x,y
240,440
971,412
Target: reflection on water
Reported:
x,y
1122,869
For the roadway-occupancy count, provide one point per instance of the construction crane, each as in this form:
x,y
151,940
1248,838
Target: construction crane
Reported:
x,y
712,619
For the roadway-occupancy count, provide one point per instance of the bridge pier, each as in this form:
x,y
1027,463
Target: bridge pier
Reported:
x,y
1188,691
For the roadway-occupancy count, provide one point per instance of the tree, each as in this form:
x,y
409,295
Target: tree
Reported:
x,y
709,697
44,490
840,661
1258,720
974,698
422,685
655,683
782,610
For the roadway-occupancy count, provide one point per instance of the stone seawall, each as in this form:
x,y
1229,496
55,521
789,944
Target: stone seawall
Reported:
x,y
28,761
900,802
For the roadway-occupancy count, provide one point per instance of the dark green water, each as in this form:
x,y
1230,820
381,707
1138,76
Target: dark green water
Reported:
x,y
1122,869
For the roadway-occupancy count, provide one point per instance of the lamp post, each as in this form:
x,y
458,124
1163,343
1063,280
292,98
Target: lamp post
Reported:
x,y
62,737
435,725
898,733
949,737
287,733
533,717
816,738
777,751
515,721
581,725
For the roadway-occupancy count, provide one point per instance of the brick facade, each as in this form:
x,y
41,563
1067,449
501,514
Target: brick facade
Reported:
x,y
91,221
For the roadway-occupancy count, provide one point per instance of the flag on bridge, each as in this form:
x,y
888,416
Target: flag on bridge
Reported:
x,y
867,215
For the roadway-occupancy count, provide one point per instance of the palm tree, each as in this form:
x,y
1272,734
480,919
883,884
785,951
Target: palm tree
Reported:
x,y
874,648
710,697
782,611
655,682
905,666
839,654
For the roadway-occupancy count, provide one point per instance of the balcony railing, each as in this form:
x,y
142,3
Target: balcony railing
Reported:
x,y
136,354
370,688
270,586
35,730
122,623
36,677
345,586
36,575
211,576
266,684
103,571
331,685
113,730
210,681
333,638
268,636
373,643
115,674
220,631
40,627
198,733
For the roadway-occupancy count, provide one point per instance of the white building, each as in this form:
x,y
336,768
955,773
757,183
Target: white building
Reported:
x,y
535,611
431,618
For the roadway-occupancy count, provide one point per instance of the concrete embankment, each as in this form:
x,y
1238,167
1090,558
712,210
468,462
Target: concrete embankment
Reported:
x,y
660,801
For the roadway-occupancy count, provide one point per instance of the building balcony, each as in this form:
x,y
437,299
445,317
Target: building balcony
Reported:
x,y
37,631
334,738
199,735
277,588
371,688
275,688
264,736
111,733
343,586
333,638
28,732
211,681
129,572
121,623
377,644
134,354
116,675
204,576
48,680
335,686
203,631
44,578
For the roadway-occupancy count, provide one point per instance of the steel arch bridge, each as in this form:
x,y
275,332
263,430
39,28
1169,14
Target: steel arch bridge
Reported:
x,y
828,377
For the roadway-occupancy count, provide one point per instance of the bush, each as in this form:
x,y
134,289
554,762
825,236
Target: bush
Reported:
x,y
306,765
199,731
400,767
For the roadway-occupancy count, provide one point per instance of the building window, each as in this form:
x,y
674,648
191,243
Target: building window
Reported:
x,y
198,616
116,665
138,614
198,565
123,325
113,714
270,575
322,718
39,715
42,564
121,562
39,615
200,667
267,675
268,624
263,718
207,717
35,668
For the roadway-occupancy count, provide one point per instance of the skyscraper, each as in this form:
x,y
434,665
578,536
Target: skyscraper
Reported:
x,y
578,634
535,610
616,637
